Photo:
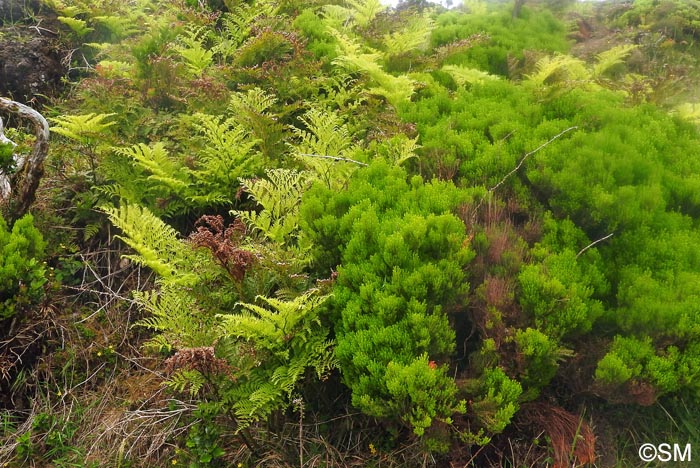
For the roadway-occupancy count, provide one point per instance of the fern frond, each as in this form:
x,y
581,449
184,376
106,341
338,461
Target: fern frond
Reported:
x,y
364,11
394,88
156,161
414,36
336,17
176,316
610,58
81,128
156,244
326,134
279,195
255,100
187,379
402,149
464,75
79,26
192,50
689,111
559,68
119,26
228,154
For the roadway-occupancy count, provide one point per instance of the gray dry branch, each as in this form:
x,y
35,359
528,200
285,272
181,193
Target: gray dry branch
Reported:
x,y
18,190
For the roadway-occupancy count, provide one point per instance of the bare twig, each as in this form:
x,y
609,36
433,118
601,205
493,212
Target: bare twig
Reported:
x,y
334,158
594,243
522,161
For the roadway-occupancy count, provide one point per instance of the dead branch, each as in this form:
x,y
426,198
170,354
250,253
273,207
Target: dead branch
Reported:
x,y
593,243
30,169
522,161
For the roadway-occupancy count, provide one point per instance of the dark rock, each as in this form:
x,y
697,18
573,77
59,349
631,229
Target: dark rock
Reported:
x,y
30,56
17,10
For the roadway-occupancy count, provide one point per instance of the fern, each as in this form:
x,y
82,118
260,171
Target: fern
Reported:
x,y
689,111
414,36
293,339
464,75
156,244
81,128
237,26
119,26
176,316
559,68
227,155
192,50
77,25
187,379
156,161
402,148
364,11
279,195
395,89
610,58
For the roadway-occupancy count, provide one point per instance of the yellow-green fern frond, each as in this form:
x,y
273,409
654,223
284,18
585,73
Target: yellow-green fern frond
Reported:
x,y
364,11
279,195
79,26
254,100
177,318
156,161
119,26
559,69
689,111
156,244
326,134
325,147
465,75
607,60
82,128
414,36
402,148
336,17
191,48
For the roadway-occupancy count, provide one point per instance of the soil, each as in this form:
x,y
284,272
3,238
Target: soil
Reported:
x,y
30,53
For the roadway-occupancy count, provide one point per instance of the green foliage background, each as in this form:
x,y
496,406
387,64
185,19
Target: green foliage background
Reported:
x,y
428,222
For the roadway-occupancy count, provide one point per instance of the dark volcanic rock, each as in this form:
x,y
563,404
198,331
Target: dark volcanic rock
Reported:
x,y
16,10
30,57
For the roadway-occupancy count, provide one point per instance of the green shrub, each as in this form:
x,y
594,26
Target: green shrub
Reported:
x,y
22,273
401,255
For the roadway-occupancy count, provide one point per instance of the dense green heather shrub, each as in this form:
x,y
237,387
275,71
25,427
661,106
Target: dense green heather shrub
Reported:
x,y
508,37
401,254
22,273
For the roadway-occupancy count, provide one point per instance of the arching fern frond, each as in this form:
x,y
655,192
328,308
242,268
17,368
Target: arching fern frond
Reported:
x,y
156,161
414,36
254,100
364,11
192,49
464,75
279,195
156,244
176,316
607,60
81,128
395,89
291,335
326,137
559,68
